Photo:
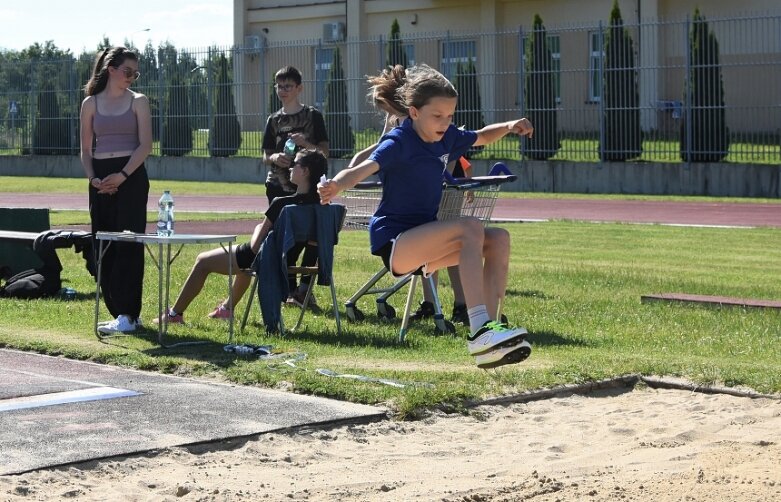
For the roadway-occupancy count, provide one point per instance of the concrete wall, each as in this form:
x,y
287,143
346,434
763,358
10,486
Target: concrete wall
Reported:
x,y
246,170
725,180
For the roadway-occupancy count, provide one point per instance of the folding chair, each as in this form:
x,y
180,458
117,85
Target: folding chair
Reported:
x,y
310,223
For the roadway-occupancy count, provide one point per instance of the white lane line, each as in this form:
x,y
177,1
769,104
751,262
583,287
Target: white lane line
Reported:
x,y
71,396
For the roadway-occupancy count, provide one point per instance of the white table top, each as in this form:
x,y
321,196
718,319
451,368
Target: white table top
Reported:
x,y
159,239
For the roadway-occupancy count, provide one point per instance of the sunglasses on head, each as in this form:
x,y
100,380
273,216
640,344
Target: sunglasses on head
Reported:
x,y
129,72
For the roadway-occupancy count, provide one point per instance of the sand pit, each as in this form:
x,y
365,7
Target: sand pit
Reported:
x,y
614,444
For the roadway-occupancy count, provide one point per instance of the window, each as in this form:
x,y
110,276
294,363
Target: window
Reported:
x,y
455,52
596,58
554,46
323,60
409,52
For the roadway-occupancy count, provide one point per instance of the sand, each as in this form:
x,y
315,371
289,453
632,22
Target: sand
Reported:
x,y
645,444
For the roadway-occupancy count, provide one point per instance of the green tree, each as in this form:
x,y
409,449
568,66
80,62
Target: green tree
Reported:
x,y
622,135
225,132
396,54
274,103
704,117
469,112
337,119
151,85
51,134
177,137
539,96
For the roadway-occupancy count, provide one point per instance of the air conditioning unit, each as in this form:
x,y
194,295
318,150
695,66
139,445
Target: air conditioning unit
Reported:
x,y
333,32
254,43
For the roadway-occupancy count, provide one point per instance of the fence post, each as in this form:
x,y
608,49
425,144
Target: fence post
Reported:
x,y
74,107
209,97
33,105
161,98
601,73
264,91
687,103
521,83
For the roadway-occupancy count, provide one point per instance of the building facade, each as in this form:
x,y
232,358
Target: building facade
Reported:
x,y
492,34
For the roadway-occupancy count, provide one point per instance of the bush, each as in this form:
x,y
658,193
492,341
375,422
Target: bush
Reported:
x,y
469,110
177,137
622,136
225,132
341,141
704,91
396,54
540,97
51,132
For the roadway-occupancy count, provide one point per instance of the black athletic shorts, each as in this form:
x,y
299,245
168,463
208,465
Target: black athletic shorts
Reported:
x,y
244,255
385,254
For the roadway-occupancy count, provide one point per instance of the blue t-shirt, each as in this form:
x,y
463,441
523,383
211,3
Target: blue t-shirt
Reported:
x,y
411,175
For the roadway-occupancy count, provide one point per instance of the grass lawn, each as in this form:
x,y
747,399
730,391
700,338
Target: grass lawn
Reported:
x,y
575,286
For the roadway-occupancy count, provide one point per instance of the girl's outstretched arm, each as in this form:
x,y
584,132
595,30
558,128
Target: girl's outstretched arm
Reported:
x,y
344,179
494,132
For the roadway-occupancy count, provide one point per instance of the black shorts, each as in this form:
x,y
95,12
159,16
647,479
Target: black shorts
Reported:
x,y
244,255
385,254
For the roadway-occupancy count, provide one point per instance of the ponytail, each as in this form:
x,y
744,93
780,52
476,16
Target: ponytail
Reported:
x,y
113,56
384,90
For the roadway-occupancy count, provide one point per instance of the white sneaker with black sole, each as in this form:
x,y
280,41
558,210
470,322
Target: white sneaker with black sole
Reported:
x,y
494,335
122,324
504,355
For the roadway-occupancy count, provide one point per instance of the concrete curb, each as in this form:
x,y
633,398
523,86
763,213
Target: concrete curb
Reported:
x,y
627,382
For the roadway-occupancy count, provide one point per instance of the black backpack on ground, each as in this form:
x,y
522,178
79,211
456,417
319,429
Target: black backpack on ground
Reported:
x,y
45,280
33,283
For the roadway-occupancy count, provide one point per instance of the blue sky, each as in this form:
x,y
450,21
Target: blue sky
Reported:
x,y
81,24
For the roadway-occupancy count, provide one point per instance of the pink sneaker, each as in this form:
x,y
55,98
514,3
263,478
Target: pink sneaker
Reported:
x,y
171,319
220,313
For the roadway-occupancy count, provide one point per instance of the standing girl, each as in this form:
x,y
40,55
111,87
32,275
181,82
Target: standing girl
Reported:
x,y
404,231
118,121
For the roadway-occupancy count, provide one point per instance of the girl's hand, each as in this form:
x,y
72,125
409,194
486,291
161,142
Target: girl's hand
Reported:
x,y
522,127
110,184
327,190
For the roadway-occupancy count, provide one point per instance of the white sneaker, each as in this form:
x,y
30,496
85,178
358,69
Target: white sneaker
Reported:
x,y
494,335
122,324
504,355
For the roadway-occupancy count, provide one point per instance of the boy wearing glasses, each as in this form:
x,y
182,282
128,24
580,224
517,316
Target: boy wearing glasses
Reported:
x,y
305,126
301,123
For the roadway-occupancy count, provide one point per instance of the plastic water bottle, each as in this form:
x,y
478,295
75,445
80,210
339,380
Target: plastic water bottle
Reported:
x,y
165,215
290,148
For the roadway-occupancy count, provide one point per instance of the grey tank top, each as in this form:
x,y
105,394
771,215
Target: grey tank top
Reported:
x,y
115,133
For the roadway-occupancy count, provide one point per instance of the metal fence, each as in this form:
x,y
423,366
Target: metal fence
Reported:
x,y
40,99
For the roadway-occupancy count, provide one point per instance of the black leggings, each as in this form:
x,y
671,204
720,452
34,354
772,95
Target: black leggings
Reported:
x,y
122,269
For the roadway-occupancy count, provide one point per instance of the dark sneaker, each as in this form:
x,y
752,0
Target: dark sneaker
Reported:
x,y
298,297
460,316
425,311
504,355
494,335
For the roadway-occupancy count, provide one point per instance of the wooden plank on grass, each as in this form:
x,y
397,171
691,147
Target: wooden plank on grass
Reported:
x,y
722,301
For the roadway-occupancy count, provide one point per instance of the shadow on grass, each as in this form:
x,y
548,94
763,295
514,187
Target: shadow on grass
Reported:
x,y
553,339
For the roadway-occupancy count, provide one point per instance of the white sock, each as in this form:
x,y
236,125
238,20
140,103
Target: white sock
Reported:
x,y
478,315
172,312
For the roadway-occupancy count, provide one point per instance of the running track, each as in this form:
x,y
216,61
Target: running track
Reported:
x,y
632,211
